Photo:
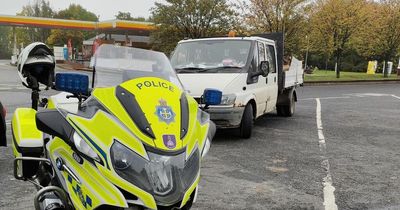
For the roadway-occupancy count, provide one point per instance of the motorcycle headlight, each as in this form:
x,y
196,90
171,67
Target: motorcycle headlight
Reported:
x,y
228,99
84,148
129,165
164,176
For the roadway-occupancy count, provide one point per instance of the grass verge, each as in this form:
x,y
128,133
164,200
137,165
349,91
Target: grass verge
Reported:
x,y
326,75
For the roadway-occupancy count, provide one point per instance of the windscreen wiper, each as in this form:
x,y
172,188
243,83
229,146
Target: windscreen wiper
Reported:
x,y
227,67
189,70
201,70
224,67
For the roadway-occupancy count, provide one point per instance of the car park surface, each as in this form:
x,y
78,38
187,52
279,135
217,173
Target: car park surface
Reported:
x,y
285,165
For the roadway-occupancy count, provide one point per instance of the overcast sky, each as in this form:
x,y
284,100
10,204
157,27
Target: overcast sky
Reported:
x,y
106,9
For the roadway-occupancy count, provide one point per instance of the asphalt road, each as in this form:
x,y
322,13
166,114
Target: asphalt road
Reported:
x,y
287,164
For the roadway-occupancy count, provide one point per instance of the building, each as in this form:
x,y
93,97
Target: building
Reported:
x,y
123,40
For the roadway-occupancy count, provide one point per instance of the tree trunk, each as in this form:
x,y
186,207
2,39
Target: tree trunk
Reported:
x,y
385,68
326,63
337,66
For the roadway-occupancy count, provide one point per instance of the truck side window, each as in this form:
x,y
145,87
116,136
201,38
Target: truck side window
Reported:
x,y
271,58
253,65
261,52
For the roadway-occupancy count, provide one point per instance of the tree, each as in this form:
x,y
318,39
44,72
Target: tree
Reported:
x,y
127,16
40,8
389,37
76,12
124,16
73,12
179,19
288,16
334,22
379,39
4,43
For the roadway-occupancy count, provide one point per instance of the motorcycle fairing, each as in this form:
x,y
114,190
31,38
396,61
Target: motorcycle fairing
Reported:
x,y
103,128
148,97
91,189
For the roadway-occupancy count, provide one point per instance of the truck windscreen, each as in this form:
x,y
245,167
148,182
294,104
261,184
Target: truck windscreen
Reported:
x,y
211,56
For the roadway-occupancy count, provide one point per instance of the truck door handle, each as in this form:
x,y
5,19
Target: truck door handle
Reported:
x,y
275,79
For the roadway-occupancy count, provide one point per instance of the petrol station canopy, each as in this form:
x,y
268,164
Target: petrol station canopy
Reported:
x,y
111,26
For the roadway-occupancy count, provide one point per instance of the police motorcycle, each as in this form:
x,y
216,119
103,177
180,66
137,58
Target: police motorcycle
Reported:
x,y
134,140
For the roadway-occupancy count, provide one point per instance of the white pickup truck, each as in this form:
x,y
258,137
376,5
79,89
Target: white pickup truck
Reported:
x,y
250,72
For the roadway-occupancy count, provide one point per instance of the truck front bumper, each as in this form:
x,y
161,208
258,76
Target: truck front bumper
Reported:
x,y
226,116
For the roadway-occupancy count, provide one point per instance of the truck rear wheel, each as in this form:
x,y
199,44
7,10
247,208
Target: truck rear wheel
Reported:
x,y
279,110
246,126
287,110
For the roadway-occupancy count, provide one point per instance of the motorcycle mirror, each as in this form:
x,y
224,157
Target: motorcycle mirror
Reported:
x,y
74,83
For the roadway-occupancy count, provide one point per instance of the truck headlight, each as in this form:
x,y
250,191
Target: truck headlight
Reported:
x,y
228,99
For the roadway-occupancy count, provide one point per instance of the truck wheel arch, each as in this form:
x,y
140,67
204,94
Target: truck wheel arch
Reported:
x,y
250,99
252,102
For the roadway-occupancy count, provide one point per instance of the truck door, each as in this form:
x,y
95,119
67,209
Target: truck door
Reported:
x,y
272,78
260,88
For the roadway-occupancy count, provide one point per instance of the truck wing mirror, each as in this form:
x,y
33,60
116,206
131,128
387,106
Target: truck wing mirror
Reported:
x,y
264,68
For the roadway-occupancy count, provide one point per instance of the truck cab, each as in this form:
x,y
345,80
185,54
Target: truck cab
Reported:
x,y
245,69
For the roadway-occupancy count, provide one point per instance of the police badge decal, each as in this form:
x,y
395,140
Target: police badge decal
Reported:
x,y
164,112
169,141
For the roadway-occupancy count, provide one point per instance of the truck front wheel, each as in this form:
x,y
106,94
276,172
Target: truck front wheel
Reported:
x,y
246,125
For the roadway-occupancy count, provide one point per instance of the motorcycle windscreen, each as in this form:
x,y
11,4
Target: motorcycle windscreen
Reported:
x,y
116,64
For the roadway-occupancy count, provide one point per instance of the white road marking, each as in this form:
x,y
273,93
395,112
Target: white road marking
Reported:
x,y
13,88
339,97
8,122
368,94
329,195
394,96
353,95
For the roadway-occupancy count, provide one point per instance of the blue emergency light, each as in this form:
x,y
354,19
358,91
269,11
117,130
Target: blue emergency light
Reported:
x,y
72,83
212,96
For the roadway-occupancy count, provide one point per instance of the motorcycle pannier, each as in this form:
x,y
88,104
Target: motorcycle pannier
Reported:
x,y
27,140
